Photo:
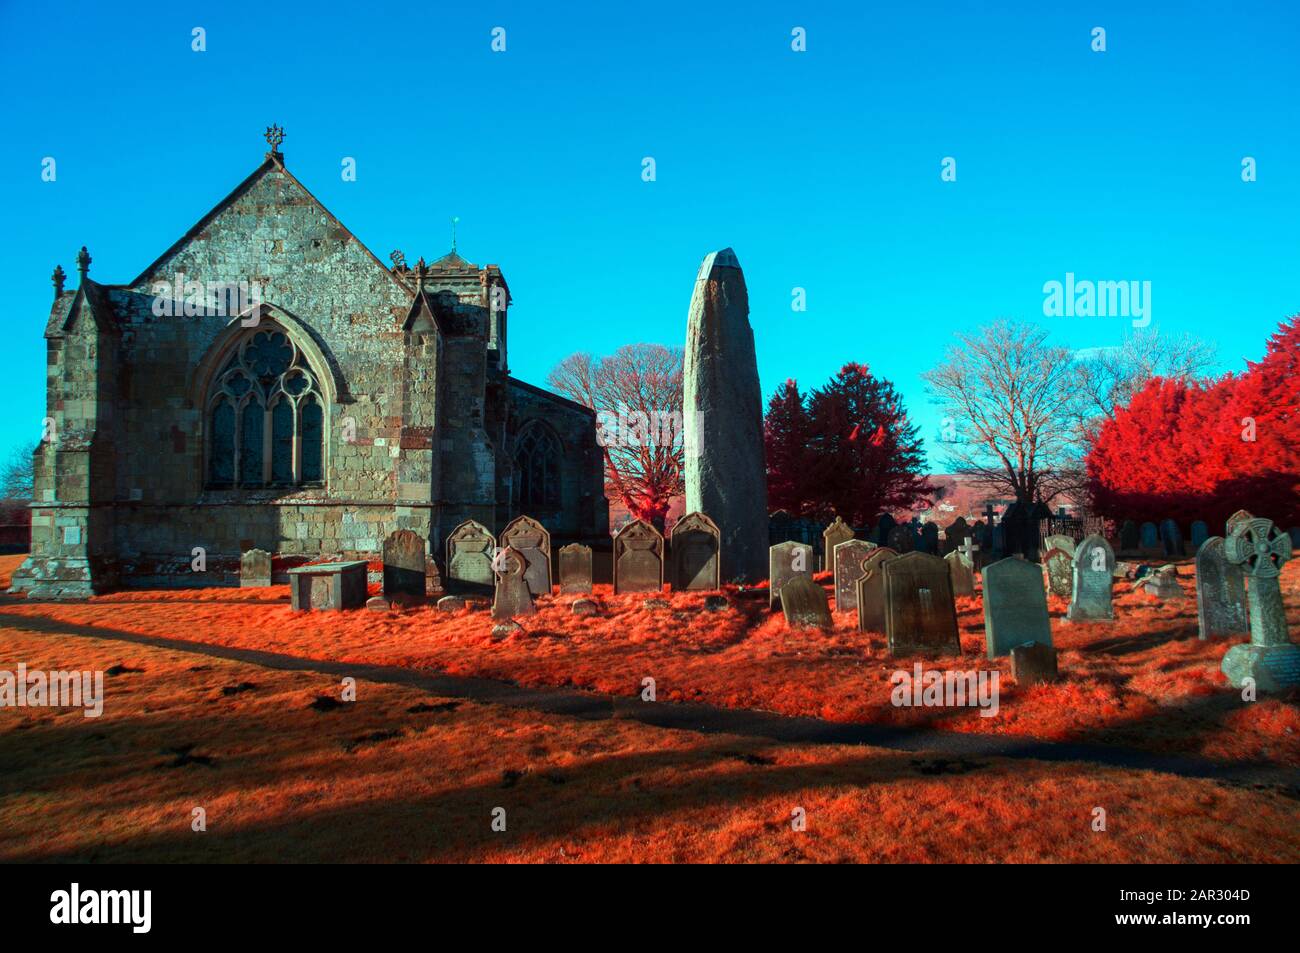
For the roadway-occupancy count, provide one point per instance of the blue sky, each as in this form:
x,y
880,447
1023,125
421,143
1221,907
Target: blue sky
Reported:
x,y
821,168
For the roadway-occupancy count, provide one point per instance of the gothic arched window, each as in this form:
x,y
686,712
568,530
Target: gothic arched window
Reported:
x,y
265,413
537,466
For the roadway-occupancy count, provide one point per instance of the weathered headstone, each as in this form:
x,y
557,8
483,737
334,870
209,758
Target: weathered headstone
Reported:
x,y
1161,583
804,603
575,568
1032,663
920,615
470,548
785,561
1171,537
255,569
847,558
1129,537
1270,658
1059,566
1199,534
1150,541
1015,606
1092,579
960,573
834,534
513,595
695,553
1221,607
531,540
1239,518
638,558
404,554
958,532
871,590
1058,541
328,586
726,476
901,539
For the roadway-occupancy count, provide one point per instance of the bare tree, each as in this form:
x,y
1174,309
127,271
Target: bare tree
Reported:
x,y
1011,411
17,473
1107,378
637,395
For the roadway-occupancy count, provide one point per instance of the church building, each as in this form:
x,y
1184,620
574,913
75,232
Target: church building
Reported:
x,y
269,383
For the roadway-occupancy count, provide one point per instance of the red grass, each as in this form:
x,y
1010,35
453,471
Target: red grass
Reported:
x,y
1145,680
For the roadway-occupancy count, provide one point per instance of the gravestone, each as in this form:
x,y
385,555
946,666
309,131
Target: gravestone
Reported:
x,y
513,595
470,548
638,558
1171,537
901,539
1161,583
847,560
531,540
1129,538
1270,658
870,593
1015,606
404,554
328,586
1033,663
255,569
1059,541
1150,538
575,568
695,549
958,532
1059,566
1199,534
1239,518
920,615
883,528
722,406
785,561
1221,606
803,602
1092,578
838,532
928,539
960,574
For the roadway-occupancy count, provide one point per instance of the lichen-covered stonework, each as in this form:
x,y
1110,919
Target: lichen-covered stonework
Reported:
x,y
420,421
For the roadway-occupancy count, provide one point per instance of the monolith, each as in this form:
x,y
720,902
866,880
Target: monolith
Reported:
x,y
723,418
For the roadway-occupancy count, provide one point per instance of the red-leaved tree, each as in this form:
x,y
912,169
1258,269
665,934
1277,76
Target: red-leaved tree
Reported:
x,y
785,445
1192,451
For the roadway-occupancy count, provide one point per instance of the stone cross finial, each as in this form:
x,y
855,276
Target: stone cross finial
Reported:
x,y
58,278
83,262
274,136
1270,659
421,271
968,548
398,259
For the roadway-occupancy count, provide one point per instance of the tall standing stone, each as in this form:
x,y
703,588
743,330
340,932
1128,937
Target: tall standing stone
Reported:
x,y
726,476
